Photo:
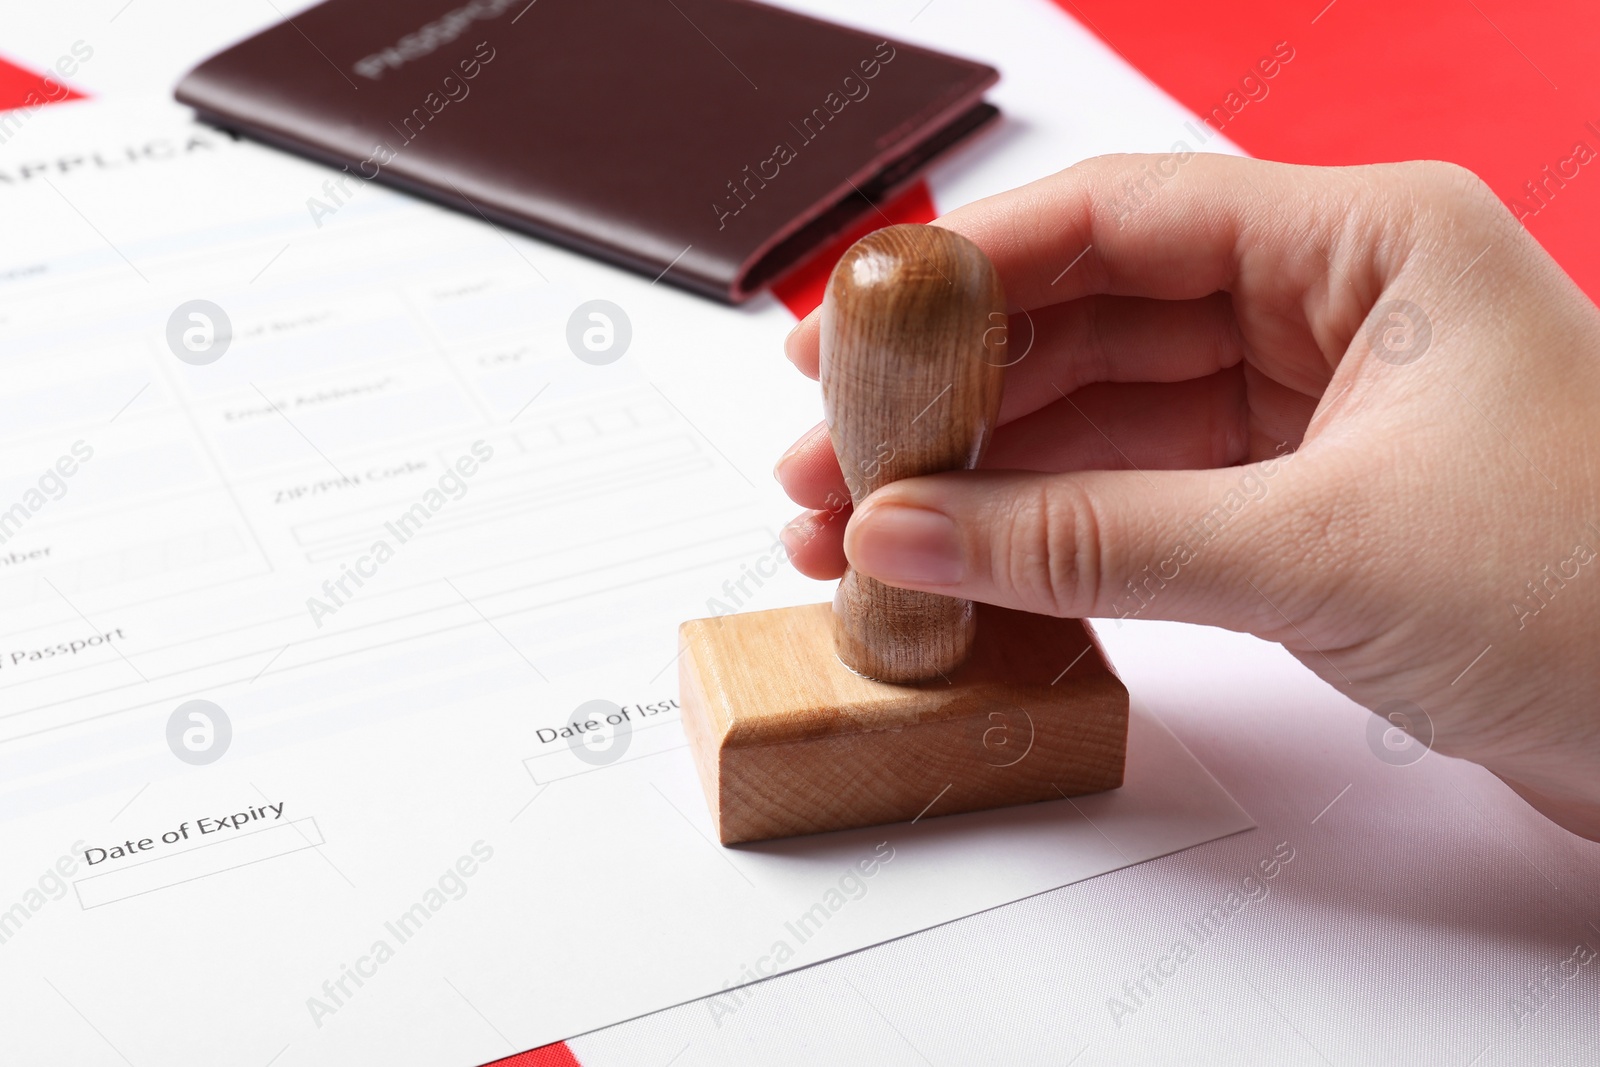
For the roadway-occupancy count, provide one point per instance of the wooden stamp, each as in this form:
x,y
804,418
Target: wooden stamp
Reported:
x,y
892,704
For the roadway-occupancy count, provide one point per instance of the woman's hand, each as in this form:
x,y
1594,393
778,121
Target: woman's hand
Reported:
x,y
1355,411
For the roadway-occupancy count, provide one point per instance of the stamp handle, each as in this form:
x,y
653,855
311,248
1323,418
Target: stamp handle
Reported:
x,y
913,351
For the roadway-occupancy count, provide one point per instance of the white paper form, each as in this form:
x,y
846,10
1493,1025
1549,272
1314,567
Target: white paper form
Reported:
x,y
395,856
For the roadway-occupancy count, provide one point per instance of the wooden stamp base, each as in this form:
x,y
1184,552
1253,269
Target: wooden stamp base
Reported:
x,y
789,741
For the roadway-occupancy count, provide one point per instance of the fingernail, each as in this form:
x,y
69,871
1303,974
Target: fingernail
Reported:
x,y
805,440
795,535
777,468
788,341
911,546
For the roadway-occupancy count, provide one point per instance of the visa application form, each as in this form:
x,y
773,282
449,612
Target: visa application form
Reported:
x,y
338,708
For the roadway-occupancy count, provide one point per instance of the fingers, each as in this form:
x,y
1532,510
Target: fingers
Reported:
x,y
809,471
1095,339
802,347
1180,227
815,543
1194,276
1181,545
1112,426
1165,226
1063,347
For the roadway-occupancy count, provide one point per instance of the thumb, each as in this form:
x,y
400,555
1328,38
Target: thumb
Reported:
x,y
1178,545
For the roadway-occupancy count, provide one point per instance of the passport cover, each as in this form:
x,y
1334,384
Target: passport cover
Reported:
x,y
711,143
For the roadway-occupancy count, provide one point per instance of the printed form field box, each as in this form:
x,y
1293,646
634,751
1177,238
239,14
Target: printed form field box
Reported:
x,y
561,761
196,863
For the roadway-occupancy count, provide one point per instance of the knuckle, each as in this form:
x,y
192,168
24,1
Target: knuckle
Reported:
x,y
1315,537
1222,332
1092,352
1451,191
1454,179
1052,558
1228,420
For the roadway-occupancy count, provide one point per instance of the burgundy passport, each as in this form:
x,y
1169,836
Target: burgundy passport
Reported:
x,y
715,143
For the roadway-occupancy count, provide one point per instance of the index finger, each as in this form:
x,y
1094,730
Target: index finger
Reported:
x,y
1169,227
